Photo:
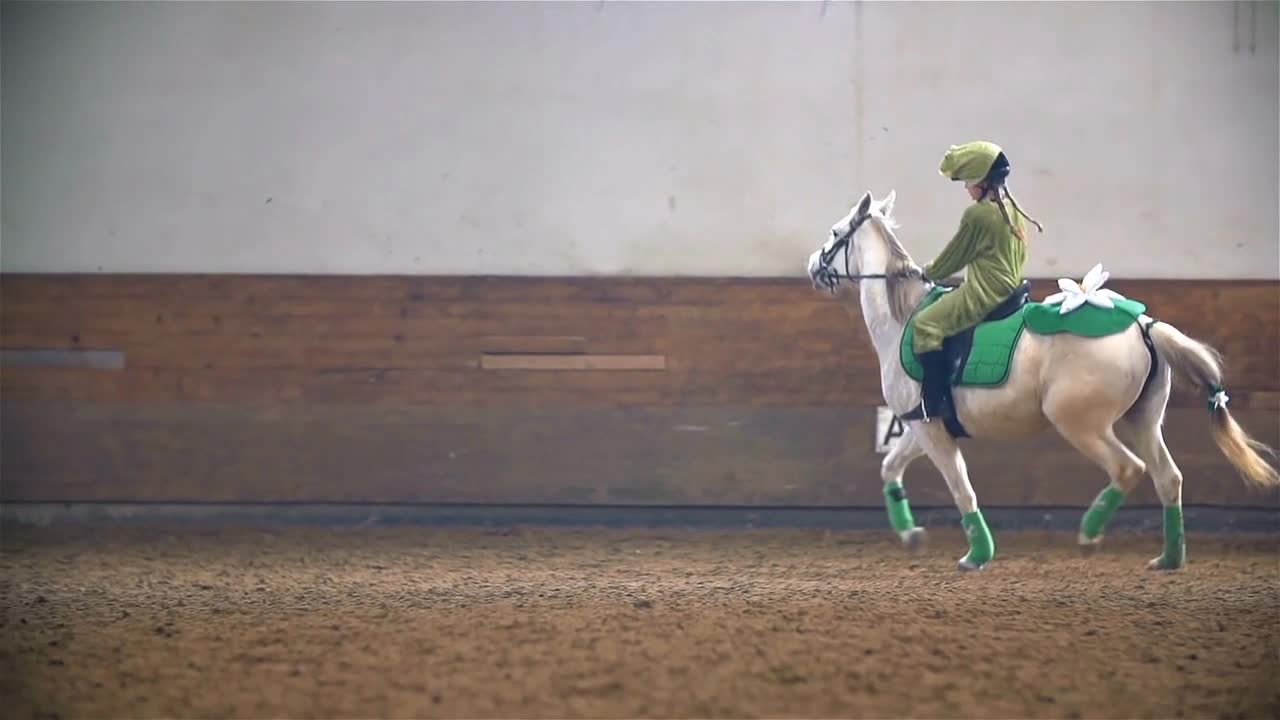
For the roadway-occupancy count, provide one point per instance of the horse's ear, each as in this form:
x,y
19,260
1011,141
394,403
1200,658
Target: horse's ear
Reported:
x,y
864,205
886,207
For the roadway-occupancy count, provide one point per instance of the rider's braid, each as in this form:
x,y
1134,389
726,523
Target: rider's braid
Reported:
x,y
1019,210
995,183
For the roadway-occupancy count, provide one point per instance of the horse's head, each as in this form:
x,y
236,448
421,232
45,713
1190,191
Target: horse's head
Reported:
x,y
845,236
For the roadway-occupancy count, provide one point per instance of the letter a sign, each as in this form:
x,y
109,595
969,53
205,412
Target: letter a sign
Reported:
x,y
888,429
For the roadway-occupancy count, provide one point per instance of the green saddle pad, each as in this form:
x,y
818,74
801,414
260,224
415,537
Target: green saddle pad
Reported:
x,y
994,343
1086,320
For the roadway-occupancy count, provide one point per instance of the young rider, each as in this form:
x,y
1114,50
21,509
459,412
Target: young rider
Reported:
x,y
992,244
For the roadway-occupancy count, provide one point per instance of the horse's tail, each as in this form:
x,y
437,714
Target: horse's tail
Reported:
x,y
1200,366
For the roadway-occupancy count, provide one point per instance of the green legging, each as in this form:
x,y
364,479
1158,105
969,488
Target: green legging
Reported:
x,y
952,314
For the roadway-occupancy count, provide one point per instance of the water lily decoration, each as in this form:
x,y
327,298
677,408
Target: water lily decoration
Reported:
x,y
1089,291
1218,399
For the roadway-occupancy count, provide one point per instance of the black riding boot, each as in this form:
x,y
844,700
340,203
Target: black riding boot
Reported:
x,y
935,396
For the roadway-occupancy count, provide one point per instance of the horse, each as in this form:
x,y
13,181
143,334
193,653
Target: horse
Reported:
x,y
1093,391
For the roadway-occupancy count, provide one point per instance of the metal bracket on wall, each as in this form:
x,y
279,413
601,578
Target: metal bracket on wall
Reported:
x,y
544,352
56,358
1253,25
573,362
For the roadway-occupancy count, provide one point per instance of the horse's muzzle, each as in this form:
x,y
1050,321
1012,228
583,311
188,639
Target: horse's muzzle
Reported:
x,y
820,274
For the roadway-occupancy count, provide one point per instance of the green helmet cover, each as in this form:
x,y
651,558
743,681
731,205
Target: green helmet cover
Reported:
x,y
969,162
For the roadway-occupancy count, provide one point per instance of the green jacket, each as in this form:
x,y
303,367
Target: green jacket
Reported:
x,y
987,246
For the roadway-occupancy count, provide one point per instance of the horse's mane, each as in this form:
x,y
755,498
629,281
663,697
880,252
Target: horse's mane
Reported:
x,y
902,300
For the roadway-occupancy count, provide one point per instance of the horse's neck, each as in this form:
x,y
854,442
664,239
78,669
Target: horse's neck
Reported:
x,y
874,303
885,331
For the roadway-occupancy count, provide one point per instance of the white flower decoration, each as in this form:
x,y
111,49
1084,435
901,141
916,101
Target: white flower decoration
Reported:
x,y
1218,400
1090,291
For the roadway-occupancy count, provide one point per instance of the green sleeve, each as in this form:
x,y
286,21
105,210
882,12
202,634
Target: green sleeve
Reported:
x,y
970,240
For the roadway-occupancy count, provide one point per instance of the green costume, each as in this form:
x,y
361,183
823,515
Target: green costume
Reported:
x,y
990,243
986,243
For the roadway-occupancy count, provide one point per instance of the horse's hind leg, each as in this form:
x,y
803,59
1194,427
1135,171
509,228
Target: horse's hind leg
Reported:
x,y
895,497
1122,467
1144,423
1090,431
1168,480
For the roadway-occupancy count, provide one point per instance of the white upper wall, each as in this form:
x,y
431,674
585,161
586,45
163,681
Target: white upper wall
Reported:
x,y
638,138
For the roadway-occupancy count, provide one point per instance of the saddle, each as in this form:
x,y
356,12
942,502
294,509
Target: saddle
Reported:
x,y
956,348
991,366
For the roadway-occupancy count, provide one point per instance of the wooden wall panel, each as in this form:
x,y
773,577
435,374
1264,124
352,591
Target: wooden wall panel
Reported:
x,y
359,388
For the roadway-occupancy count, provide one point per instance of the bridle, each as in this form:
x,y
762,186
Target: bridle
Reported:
x,y
828,277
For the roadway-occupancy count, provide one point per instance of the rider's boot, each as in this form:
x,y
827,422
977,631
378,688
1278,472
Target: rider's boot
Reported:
x,y
935,394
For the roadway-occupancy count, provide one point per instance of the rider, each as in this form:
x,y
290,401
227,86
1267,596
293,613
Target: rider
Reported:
x,y
992,244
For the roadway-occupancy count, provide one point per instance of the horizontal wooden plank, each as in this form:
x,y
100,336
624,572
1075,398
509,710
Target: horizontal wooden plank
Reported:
x,y
362,339
258,289
677,455
1261,400
573,362
394,386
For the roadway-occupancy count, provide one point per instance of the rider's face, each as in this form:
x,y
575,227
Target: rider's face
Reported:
x,y
975,190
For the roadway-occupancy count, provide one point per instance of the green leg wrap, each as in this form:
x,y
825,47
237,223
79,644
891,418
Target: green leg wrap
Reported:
x,y
1099,513
982,547
1175,544
895,501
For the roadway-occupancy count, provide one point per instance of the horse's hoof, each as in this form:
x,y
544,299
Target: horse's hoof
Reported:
x,y
914,539
1161,563
1089,546
967,565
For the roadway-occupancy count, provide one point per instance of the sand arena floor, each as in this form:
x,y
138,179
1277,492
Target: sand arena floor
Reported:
x,y
418,622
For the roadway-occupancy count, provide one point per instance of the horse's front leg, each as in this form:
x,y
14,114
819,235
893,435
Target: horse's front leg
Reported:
x,y
945,454
895,497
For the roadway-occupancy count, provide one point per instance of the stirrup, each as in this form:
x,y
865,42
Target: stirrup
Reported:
x,y
919,413
951,421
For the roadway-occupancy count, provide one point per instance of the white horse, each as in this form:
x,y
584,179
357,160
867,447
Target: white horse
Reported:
x,y
1093,391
